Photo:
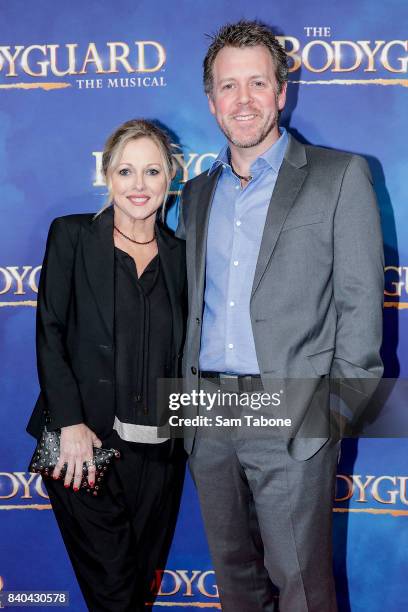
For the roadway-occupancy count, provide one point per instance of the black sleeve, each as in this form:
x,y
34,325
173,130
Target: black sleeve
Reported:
x,y
58,384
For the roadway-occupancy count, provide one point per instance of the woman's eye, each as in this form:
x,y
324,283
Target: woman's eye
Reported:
x,y
124,172
152,171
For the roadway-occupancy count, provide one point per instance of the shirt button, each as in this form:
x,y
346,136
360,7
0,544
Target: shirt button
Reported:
x,y
236,262
232,303
238,223
237,187
230,346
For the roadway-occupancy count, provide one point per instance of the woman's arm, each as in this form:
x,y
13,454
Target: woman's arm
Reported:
x,y
58,384
57,381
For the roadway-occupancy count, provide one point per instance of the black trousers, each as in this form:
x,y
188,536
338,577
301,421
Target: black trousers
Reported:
x,y
117,540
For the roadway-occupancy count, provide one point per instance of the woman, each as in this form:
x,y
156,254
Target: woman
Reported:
x,y
109,324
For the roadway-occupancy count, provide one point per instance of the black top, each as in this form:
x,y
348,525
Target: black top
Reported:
x,y
75,321
143,338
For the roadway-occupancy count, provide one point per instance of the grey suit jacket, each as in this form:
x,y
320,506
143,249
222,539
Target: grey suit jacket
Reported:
x,y
317,294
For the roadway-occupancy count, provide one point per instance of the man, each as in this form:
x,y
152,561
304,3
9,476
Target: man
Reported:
x,y
285,274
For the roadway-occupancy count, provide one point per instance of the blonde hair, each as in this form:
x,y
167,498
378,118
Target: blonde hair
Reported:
x,y
133,130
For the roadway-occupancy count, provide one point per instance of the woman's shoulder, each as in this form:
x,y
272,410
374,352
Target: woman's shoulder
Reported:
x,y
168,235
74,220
69,226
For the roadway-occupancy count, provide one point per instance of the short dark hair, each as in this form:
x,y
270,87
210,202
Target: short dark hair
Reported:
x,y
245,34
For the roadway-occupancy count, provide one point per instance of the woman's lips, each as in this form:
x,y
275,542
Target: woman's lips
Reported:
x,y
138,200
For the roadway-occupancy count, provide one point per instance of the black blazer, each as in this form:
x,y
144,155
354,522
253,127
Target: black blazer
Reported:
x,y
75,326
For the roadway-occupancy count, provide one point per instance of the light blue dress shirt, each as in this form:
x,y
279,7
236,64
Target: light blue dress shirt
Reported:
x,y
236,224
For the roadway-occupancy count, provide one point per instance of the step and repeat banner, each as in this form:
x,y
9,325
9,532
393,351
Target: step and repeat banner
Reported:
x,y
70,72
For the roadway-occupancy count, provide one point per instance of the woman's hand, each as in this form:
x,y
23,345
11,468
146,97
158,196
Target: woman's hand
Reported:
x,y
77,442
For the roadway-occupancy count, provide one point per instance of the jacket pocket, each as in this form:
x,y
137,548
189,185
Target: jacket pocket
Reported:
x,y
321,362
302,221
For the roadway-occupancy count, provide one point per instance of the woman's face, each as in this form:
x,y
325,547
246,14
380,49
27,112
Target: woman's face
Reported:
x,y
138,182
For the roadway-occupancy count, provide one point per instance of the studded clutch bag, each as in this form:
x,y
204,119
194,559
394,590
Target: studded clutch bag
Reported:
x,y
47,453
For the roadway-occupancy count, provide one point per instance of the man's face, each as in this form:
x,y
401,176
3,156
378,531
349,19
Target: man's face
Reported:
x,y
245,99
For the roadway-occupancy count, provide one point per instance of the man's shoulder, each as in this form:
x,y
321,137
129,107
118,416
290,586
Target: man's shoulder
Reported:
x,y
325,155
334,164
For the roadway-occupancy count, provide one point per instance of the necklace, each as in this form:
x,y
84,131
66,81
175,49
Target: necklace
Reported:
x,y
243,178
132,240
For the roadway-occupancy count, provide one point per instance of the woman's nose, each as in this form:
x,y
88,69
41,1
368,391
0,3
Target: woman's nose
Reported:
x,y
139,181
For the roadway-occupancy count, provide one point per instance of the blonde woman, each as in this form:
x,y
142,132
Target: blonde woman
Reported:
x,y
110,323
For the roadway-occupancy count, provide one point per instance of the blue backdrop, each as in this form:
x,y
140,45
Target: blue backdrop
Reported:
x,y
69,74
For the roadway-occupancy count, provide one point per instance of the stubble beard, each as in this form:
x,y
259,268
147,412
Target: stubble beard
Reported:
x,y
257,138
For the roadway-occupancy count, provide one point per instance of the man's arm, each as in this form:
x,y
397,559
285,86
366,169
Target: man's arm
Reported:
x,y
358,284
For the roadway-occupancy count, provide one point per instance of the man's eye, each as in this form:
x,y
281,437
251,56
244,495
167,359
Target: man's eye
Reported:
x,y
124,172
228,86
259,83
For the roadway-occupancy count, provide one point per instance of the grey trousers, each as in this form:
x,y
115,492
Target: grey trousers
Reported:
x,y
268,520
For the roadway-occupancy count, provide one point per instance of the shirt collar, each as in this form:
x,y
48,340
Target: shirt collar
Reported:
x,y
221,160
272,157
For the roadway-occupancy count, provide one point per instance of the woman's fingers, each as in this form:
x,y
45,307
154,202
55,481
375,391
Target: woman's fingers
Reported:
x,y
57,470
77,444
74,471
89,461
91,475
70,473
96,441
78,474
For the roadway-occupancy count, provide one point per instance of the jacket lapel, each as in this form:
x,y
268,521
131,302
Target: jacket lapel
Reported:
x,y
205,199
173,267
98,254
289,182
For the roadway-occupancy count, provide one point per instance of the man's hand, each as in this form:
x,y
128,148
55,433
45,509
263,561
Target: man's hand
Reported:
x,y
77,442
339,425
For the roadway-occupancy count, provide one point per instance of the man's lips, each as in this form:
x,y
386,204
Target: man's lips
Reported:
x,y
244,117
138,200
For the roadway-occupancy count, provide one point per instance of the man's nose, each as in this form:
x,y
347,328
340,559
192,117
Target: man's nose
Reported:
x,y
244,94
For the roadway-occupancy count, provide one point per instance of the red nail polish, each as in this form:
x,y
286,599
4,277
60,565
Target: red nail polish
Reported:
x,y
66,486
76,489
91,484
